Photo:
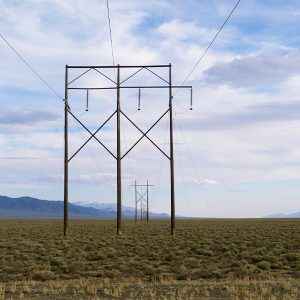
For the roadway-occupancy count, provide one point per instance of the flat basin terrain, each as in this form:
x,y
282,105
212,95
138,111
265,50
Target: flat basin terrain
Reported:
x,y
217,259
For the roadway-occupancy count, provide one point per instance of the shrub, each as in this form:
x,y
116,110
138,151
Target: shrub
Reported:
x,y
263,265
43,275
292,257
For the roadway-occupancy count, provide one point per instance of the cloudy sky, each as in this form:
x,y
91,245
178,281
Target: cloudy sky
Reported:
x,y
237,153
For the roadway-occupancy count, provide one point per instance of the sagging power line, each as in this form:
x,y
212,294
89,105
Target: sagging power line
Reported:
x,y
110,32
31,68
210,44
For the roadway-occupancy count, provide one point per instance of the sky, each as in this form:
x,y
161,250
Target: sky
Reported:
x,y
236,153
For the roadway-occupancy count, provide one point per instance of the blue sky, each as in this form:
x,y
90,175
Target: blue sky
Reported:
x,y
236,153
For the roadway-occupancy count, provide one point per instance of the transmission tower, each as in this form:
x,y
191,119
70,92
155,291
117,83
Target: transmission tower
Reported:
x,y
118,85
139,198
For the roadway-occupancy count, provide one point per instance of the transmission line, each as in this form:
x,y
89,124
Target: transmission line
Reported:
x,y
210,44
31,68
110,34
195,171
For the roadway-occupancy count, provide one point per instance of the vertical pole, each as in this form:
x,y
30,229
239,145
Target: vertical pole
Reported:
x,y
66,157
139,103
135,202
171,154
147,204
119,186
141,208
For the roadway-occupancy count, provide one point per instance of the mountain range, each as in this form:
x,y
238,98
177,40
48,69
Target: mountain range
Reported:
x,y
286,216
33,208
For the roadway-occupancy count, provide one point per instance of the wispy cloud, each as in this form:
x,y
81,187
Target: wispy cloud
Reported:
x,y
25,117
247,116
254,71
205,181
90,179
247,95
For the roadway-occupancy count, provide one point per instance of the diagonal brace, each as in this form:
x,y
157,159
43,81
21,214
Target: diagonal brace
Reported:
x,y
141,196
104,75
157,75
92,135
132,74
79,76
145,134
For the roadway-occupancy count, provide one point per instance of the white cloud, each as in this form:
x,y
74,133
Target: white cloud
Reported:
x,y
254,71
90,179
186,31
25,117
241,129
205,181
247,116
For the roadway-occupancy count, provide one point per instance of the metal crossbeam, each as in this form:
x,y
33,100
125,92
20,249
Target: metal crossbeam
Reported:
x,y
132,87
118,67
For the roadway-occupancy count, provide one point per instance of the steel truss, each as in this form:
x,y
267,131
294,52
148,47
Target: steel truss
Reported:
x,y
118,85
140,199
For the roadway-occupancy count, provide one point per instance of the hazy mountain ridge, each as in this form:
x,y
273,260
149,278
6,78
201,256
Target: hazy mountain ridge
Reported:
x,y
127,211
28,207
283,216
33,208
105,206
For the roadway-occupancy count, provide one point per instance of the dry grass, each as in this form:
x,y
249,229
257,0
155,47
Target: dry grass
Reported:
x,y
242,259
130,288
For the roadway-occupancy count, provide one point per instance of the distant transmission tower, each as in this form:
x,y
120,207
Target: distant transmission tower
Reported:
x,y
139,199
118,85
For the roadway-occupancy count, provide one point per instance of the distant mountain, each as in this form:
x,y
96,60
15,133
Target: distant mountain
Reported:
x,y
275,216
105,206
33,208
28,207
127,212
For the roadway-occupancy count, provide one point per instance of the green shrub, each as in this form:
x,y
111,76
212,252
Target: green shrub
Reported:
x,y
263,265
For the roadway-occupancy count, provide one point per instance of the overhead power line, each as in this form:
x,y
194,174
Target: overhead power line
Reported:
x,y
110,34
31,68
210,44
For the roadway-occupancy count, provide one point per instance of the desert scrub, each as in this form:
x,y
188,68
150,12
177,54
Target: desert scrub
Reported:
x,y
131,288
201,250
2,291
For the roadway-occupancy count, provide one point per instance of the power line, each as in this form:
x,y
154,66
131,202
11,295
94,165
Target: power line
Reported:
x,y
110,34
186,194
31,68
210,44
196,171
181,112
